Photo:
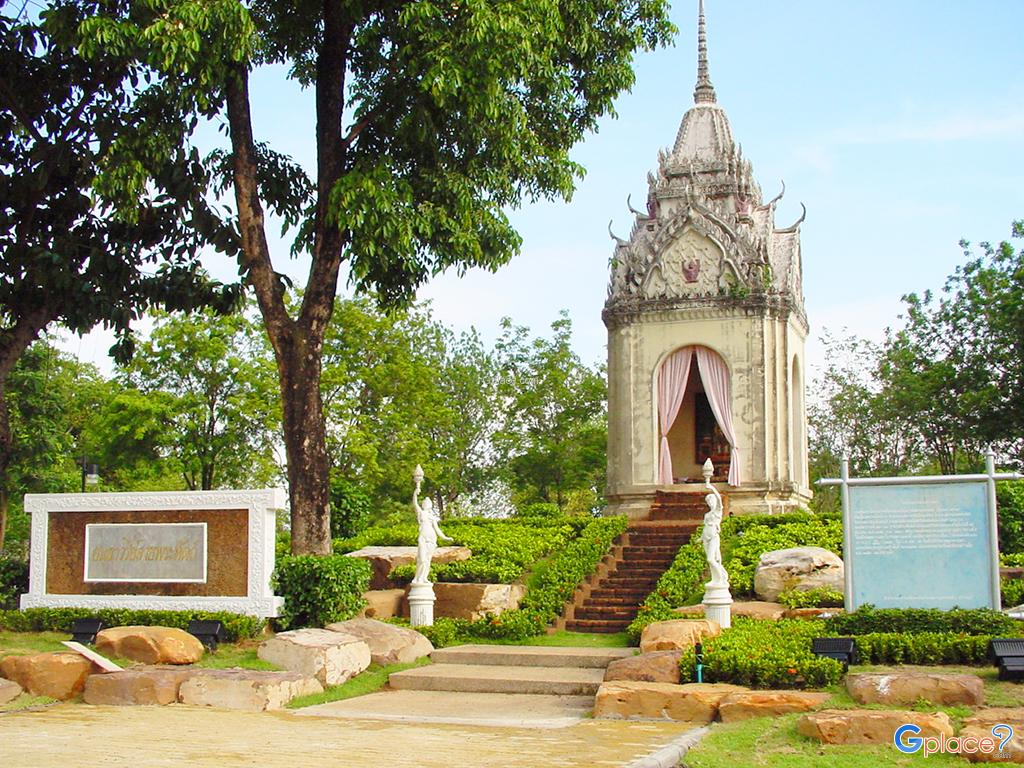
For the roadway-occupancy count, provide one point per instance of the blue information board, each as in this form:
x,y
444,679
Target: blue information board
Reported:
x,y
920,546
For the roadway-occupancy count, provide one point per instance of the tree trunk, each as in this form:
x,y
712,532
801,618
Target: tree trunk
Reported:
x,y
305,440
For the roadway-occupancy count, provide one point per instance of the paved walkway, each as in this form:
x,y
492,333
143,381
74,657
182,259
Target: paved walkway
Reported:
x,y
70,735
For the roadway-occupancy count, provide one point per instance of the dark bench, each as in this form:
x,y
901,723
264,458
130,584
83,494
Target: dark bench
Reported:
x,y
1008,655
842,649
208,632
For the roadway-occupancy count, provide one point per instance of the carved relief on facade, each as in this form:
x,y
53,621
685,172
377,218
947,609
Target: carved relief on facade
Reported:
x,y
690,266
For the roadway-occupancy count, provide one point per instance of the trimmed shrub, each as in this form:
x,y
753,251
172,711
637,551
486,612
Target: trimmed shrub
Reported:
x,y
764,654
959,621
13,582
319,589
927,648
1012,591
819,597
236,626
542,510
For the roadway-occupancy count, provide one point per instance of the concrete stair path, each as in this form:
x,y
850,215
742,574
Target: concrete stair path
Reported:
x,y
511,670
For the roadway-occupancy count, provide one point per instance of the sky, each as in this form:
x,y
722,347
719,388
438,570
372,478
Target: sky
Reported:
x,y
898,123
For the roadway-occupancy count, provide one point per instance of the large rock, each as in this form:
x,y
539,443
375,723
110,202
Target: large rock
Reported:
x,y
979,726
9,691
388,644
384,604
812,614
910,687
656,667
383,560
57,675
749,704
150,645
474,601
331,657
677,635
136,687
869,726
801,568
691,703
245,689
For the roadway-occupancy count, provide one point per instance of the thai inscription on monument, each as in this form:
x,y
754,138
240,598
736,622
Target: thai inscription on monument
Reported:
x,y
145,552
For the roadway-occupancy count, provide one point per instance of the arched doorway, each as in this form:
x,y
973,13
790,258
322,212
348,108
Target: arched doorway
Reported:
x,y
694,402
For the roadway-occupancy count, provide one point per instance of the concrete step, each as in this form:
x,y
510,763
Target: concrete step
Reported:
x,y
529,656
480,678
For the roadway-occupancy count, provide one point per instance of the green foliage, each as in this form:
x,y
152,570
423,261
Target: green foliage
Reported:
x,y
1012,591
541,510
444,632
764,654
236,626
820,597
320,589
216,376
1010,506
974,621
924,648
350,507
13,582
554,433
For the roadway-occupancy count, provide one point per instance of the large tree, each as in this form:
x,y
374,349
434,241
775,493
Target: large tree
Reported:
x,y
64,257
433,118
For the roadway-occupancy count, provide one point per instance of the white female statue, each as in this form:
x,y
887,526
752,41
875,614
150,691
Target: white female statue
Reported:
x,y
430,531
717,599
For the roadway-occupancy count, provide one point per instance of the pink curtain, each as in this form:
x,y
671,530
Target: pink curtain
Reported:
x,y
671,386
715,377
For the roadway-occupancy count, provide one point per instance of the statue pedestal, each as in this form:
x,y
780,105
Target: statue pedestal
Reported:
x,y
718,605
421,604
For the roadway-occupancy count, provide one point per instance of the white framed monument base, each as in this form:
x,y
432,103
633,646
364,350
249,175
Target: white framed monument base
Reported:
x,y
421,604
251,535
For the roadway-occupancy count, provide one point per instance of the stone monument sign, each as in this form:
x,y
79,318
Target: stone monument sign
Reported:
x,y
200,550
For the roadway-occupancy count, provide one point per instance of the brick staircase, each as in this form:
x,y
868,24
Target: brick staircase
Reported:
x,y
646,550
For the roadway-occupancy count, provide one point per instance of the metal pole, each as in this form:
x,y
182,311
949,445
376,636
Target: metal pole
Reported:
x,y
993,527
844,492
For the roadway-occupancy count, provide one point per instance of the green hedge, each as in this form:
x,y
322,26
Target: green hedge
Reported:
x,y
975,621
819,597
319,589
13,581
236,626
1012,591
764,654
927,648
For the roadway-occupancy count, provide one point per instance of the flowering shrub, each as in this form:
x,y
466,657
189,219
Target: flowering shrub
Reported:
x,y
764,654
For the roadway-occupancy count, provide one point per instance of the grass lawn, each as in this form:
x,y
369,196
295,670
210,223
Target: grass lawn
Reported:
x,y
26,643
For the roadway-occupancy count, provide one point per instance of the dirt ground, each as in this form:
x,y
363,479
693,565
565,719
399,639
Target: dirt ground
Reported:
x,y
72,735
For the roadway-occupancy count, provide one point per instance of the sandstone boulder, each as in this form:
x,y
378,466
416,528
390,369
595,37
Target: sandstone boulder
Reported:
x,y
909,687
812,613
383,560
797,568
136,687
331,657
749,704
150,645
474,601
388,644
677,635
384,604
245,689
656,667
9,691
57,675
869,726
979,726
691,703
